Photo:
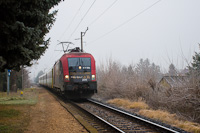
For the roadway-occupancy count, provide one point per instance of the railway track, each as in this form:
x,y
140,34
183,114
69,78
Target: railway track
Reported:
x,y
99,117
123,121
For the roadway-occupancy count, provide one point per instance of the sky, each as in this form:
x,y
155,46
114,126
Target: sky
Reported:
x,y
164,31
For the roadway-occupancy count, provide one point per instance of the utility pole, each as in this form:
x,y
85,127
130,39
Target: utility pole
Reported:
x,y
82,41
8,81
83,34
22,77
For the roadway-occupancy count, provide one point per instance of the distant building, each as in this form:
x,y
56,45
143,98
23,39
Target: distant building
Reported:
x,y
174,82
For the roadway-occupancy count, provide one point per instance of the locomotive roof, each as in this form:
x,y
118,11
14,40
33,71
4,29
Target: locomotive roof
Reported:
x,y
76,54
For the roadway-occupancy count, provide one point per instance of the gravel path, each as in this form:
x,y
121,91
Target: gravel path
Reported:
x,y
48,116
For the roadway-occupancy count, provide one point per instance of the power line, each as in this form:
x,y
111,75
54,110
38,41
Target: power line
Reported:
x,y
122,24
102,13
73,19
63,34
82,19
66,30
55,47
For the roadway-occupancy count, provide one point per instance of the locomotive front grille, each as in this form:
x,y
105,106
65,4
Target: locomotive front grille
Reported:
x,y
79,69
78,77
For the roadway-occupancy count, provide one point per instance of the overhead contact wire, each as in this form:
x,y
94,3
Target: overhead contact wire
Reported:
x,y
65,32
82,19
122,24
102,13
53,52
72,19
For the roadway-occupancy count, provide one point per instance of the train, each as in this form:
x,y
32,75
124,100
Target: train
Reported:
x,y
73,75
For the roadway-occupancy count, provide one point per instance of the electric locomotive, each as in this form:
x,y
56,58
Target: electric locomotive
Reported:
x,y
73,75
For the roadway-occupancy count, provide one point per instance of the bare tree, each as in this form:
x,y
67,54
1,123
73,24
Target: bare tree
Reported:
x,y
130,82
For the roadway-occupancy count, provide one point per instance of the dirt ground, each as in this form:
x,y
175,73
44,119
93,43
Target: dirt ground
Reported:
x,y
48,116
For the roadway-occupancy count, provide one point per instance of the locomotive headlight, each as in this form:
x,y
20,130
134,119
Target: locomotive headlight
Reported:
x,y
93,77
67,77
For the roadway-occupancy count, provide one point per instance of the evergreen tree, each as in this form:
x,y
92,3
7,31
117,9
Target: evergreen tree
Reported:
x,y
196,63
194,70
23,25
172,70
37,78
146,71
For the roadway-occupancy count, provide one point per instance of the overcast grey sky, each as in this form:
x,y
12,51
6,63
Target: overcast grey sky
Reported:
x,y
164,31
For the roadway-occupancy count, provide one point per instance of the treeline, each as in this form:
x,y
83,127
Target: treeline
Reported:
x,y
141,81
115,80
36,80
15,80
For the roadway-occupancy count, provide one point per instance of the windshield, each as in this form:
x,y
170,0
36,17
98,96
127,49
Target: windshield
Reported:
x,y
75,63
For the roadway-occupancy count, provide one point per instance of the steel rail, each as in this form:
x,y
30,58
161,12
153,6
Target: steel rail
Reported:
x,y
111,125
136,117
63,104
100,119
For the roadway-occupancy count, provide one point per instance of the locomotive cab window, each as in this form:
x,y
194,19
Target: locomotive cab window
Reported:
x,y
81,64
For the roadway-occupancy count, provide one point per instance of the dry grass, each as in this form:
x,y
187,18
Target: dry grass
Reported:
x,y
138,105
128,104
160,115
120,102
189,126
171,119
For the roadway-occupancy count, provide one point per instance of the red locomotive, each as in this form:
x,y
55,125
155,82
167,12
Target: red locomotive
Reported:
x,y
73,75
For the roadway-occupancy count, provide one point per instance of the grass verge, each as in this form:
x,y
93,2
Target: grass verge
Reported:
x,y
160,115
15,110
15,98
14,119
